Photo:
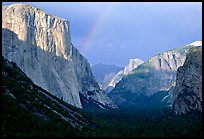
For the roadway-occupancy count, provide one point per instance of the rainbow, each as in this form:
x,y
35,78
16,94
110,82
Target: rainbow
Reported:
x,y
85,43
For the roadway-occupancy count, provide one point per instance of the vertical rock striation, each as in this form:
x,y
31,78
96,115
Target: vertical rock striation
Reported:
x,y
40,44
187,94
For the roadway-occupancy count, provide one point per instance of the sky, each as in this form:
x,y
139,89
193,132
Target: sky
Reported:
x,y
114,32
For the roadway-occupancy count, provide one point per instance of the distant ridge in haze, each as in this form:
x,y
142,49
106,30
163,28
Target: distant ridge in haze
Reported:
x,y
103,73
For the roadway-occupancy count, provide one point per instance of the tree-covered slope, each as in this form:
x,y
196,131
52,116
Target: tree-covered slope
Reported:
x,y
28,110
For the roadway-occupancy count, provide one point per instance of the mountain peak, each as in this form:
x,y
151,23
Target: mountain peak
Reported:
x,y
20,4
28,7
133,63
135,60
196,43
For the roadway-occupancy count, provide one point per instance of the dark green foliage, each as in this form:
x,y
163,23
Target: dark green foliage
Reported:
x,y
26,111
20,122
143,123
24,114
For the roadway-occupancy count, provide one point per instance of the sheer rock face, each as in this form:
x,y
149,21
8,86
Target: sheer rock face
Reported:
x,y
187,94
155,75
133,63
40,44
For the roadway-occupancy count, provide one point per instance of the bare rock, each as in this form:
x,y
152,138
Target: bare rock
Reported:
x,y
40,44
187,94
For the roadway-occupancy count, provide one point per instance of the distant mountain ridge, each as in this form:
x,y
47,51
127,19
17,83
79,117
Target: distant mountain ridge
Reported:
x,y
103,73
158,74
109,75
133,63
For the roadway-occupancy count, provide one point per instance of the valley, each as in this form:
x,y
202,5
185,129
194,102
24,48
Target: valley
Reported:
x,y
133,122
25,115
50,89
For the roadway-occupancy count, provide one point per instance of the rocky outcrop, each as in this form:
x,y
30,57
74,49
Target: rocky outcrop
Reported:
x,y
158,74
40,44
187,94
133,63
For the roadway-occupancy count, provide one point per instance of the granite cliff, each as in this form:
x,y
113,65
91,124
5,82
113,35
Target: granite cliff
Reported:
x,y
40,44
187,94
